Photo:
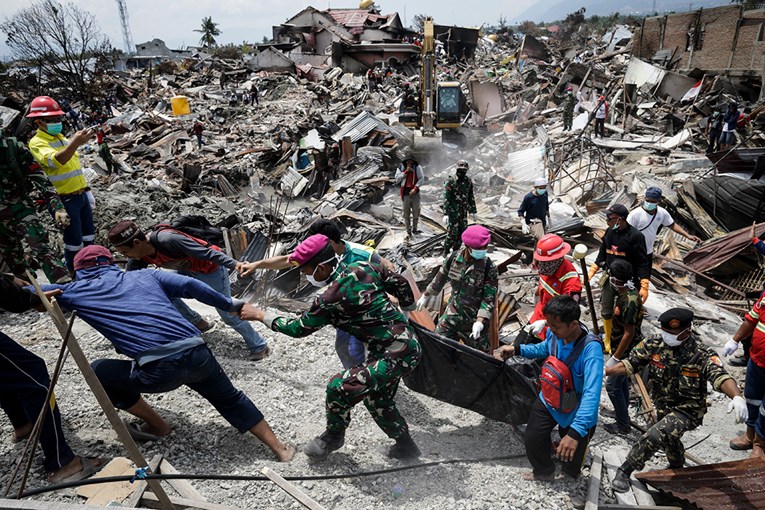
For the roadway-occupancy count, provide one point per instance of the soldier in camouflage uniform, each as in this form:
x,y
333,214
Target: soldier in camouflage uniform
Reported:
x,y
20,176
680,366
568,109
474,279
356,301
458,202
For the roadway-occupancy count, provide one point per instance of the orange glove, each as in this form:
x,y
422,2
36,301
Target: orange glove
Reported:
x,y
644,289
593,269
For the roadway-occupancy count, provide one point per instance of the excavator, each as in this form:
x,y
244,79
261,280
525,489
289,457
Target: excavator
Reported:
x,y
436,106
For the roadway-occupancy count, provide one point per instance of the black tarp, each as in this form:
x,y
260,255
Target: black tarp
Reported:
x,y
464,377
740,202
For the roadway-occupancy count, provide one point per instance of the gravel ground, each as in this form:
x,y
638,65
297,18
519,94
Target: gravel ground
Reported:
x,y
289,388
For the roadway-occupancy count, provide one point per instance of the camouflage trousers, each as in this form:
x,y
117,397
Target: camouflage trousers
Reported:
x,y
459,328
454,235
665,434
375,382
24,242
568,120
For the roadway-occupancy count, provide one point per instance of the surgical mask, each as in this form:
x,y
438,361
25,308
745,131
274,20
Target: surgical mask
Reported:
x,y
319,283
478,254
616,225
54,128
541,191
649,206
670,339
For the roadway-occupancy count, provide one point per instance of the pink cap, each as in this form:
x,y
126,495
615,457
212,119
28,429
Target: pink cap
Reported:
x,y
308,249
476,236
88,257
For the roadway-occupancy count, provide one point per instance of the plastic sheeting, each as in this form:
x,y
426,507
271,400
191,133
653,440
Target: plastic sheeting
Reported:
x,y
467,378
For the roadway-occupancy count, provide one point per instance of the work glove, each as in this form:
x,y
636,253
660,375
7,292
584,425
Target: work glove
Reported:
x,y
62,218
91,199
592,271
477,328
731,346
644,289
738,404
422,302
538,326
525,228
612,361
445,221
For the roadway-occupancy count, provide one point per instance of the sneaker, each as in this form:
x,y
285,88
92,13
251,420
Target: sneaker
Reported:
x,y
616,429
739,361
260,355
405,448
323,445
621,481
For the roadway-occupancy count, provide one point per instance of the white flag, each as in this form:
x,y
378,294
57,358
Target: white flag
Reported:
x,y
691,94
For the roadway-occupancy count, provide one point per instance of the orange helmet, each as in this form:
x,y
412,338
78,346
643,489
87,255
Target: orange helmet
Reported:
x,y
551,247
44,106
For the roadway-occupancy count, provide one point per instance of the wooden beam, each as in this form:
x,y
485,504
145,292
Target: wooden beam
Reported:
x,y
593,493
290,489
30,504
135,498
642,496
150,500
611,461
184,488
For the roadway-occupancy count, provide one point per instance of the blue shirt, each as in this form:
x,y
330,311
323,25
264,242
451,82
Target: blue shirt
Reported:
x,y
534,207
133,309
587,372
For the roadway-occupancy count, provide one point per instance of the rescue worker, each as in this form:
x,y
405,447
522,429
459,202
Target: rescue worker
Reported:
x,y
103,150
566,337
624,241
196,130
601,113
754,385
349,349
20,179
679,368
409,176
473,278
59,160
458,202
535,209
165,351
356,300
650,217
568,109
173,249
557,276
626,331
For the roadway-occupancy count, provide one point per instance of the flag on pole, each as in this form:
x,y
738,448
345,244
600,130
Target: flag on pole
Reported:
x,y
691,94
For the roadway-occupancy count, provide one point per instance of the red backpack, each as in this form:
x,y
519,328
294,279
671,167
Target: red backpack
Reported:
x,y
556,380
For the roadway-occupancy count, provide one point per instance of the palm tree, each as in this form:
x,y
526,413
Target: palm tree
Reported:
x,y
209,30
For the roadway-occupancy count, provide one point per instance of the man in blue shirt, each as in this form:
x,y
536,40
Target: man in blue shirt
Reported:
x,y
577,426
535,209
133,310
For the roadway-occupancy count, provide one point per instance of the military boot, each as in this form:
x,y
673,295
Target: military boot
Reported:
x,y
621,482
758,448
324,444
743,441
405,448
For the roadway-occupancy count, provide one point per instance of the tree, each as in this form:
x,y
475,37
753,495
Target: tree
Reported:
x,y
502,22
528,27
749,4
209,32
63,42
418,22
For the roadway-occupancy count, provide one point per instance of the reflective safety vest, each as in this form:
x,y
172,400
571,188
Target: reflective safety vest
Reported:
x,y
565,281
67,178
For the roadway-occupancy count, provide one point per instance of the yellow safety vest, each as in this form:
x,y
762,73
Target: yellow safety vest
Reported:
x,y
67,178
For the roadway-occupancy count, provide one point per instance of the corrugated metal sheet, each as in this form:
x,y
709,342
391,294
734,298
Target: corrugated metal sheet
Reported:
x,y
736,485
527,165
542,135
360,126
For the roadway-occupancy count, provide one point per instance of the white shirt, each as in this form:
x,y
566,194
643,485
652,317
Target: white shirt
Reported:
x,y
648,224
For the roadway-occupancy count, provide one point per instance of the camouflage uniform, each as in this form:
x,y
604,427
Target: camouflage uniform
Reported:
x,y
678,385
458,202
568,112
356,301
474,292
628,310
20,176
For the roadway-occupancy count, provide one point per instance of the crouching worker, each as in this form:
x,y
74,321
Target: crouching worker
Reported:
x,y
356,301
680,367
574,354
133,310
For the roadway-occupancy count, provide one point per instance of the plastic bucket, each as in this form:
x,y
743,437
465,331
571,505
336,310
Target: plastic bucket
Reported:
x,y
180,105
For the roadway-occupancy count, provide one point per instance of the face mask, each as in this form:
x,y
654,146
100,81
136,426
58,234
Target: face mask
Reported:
x,y
54,128
478,254
317,283
548,267
461,172
670,339
649,206
616,226
541,191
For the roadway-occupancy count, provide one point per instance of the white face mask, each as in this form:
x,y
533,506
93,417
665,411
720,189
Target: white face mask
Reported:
x,y
670,339
319,283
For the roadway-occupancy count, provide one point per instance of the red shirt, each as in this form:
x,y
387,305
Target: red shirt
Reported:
x,y
757,316
565,281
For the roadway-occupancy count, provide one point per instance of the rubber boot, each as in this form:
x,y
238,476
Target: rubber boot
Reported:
x,y
324,444
405,448
743,441
621,481
758,448
607,327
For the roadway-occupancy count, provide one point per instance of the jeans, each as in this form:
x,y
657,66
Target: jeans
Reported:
x,y
218,281
197,368
618,389
81,231
349,349
24,385
754,391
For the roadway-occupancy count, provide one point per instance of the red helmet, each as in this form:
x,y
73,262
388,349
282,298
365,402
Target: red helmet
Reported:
x,y
551,247
44,106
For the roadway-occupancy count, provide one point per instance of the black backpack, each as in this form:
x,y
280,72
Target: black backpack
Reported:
x,y
195,226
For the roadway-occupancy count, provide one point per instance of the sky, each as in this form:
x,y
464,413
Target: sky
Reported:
x,y
174,21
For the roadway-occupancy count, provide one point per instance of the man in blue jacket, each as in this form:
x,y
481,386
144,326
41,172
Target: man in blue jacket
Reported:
x,y
133,310
577,426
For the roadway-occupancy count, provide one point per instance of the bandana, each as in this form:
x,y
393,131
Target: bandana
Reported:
x,y
548,267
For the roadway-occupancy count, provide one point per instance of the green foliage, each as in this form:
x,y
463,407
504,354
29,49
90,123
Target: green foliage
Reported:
x,y
209,32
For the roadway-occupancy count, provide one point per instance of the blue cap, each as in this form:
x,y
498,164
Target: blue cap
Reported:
x,y
653,192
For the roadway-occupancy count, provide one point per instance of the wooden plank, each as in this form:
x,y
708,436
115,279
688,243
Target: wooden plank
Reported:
x,y
290,489
30,504
593,493
135,497
611,462
184,488
150,500
642,496
116,467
